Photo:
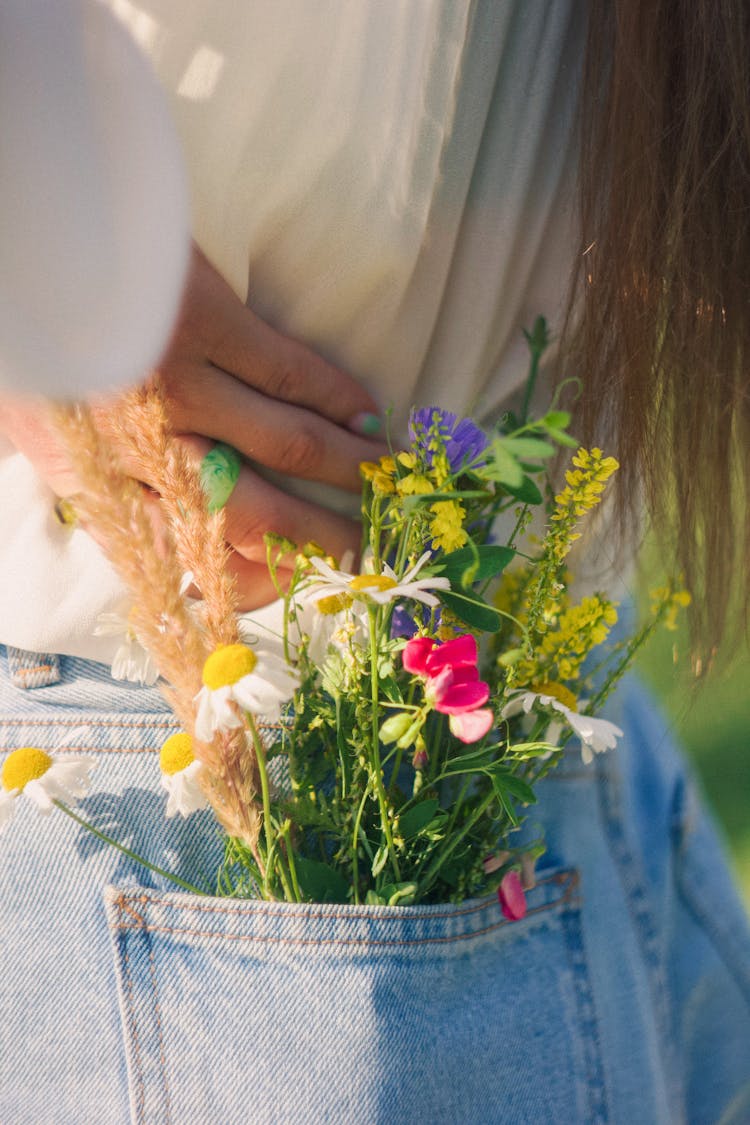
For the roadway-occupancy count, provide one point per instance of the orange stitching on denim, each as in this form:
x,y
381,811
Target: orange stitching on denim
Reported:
x,y
157,1013
21,720
32,671
569,879
126,908
132,1026
397,943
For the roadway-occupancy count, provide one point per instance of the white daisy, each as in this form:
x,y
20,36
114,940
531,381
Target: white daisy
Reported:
x,y
180,776
238,676
42,777
596,735
131,660
333,625
380,588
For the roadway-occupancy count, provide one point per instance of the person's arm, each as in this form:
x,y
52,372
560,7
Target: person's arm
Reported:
x,y
228,376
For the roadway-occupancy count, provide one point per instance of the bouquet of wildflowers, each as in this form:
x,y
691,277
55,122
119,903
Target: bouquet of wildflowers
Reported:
x,y
384,745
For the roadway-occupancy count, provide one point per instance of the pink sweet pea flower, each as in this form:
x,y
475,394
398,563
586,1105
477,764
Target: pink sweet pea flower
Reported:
x,y
471,725
414,656
454,690
461,652
452,684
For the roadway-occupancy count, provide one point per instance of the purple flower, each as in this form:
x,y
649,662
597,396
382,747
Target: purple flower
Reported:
x,y
402,623
430,427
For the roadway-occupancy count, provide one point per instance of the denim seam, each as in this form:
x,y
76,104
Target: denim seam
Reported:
x,y
641,913
160,1033
132,1025
598,1108
399,943
720,938
568,880
93,721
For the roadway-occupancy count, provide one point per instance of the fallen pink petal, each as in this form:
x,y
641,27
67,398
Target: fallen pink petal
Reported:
x,y
511,897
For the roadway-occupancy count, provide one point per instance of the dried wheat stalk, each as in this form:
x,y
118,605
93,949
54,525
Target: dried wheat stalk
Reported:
x,y
115,506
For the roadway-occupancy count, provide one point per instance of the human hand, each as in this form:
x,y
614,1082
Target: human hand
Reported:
x,y
228,376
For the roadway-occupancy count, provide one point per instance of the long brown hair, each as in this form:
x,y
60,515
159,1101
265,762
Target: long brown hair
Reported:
x,y
663,323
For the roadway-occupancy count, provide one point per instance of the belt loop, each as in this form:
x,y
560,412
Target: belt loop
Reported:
x,y
33,669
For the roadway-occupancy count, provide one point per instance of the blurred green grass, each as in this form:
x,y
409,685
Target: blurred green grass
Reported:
x,y
710,717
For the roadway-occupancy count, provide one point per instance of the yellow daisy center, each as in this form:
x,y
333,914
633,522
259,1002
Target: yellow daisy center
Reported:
x,y
228,664
336,603
559,692
176,753
365,582
23,766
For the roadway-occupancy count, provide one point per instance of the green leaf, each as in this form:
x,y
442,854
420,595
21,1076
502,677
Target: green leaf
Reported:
x,y
527,492
514,785
478,761
417,818
473,564
399,894
502,797
380,860
528,448
556,420
562,438
319,882
473,611
503,466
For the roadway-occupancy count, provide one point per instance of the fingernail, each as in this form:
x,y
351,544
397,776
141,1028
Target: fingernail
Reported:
x,y
366,424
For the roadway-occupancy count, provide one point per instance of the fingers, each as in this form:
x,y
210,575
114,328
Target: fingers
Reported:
x,y
285,438
256,507
28,426
214,324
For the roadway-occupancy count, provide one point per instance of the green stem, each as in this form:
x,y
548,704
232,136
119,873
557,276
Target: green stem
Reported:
x,y
286,833
437,863
355,845
377,768
260,754
126,851
619,670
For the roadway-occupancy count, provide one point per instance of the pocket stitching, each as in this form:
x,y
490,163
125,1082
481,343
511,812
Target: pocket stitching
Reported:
x,y
569,897
137,1063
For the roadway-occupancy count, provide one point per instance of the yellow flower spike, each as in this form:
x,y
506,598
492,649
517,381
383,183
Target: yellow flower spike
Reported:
x,y
557,691
177,753
24,765
228,664
414,484
446,527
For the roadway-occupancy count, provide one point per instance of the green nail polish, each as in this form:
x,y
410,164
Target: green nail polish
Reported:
x,y
370,424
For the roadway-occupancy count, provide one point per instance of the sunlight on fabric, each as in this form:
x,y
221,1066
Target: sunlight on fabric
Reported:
x,y
143,27
202,75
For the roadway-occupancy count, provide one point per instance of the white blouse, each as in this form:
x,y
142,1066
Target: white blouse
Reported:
x,y
390,181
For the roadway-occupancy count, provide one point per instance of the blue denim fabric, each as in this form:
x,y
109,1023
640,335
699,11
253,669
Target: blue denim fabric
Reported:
x,y
623,996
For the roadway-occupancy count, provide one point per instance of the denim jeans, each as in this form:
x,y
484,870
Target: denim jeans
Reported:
x,y
624,995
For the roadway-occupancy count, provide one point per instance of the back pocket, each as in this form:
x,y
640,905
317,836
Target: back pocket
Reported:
x,y
248,1011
